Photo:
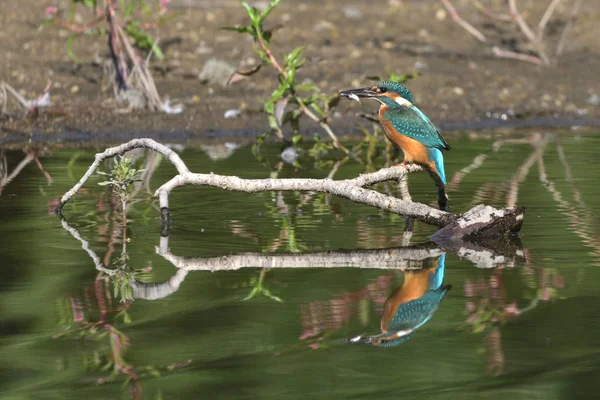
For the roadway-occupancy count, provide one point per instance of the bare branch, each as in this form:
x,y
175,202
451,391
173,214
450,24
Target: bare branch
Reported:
x,y
5,180
520,21
579,219
16,95
562,43
476,220
466,26
484,10
545,18
115,151
498,52
523,170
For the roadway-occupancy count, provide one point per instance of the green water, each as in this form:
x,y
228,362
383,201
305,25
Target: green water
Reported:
x,y
536,334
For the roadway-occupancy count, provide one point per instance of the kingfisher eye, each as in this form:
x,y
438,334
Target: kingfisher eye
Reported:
x,y
382,90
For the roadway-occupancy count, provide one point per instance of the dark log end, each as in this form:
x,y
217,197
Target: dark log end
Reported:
x,y
483,223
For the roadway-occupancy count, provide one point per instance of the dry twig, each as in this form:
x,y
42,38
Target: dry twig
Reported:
x,y
562,43
458,19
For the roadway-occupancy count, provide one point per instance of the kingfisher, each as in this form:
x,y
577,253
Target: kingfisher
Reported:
x,y
405,125
410,306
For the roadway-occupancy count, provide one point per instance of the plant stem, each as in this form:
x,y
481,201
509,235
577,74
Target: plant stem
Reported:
x,y
323,124
272,58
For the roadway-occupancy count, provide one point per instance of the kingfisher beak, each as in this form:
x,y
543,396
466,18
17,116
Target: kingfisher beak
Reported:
x,y
357,94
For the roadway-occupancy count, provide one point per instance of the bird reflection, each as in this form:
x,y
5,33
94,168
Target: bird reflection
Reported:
x,y
411,305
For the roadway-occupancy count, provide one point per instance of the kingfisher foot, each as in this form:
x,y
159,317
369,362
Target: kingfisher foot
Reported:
x,y
404,164
443,202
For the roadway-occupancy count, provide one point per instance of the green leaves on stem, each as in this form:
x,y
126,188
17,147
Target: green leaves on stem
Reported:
x,y
313,104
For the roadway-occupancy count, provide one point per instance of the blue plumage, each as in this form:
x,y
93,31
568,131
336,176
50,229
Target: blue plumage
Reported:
x,y
411,122
415,313
410,315
408,127
397,88
438,157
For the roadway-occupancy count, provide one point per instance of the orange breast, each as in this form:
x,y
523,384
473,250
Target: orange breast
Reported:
x,y
413,150
414,286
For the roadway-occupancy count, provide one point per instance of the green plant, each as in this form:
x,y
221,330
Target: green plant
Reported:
x,y
306,97
128,10
120,21
122,175
258,288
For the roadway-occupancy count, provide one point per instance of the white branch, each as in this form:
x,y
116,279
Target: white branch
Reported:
x,y
351,189
119,150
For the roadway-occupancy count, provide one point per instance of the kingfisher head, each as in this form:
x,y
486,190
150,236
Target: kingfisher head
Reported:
x,y
390,94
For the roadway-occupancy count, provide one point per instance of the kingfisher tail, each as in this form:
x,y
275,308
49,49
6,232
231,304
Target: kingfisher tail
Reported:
x,y
438,158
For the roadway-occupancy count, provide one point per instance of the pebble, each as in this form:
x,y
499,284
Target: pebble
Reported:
x,y
289,155
233,113
420,64
216,71
594,100
204,48
352,12
441,14
458,91
356,53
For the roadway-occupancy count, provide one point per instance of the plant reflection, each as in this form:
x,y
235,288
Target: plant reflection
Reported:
x,y
489,307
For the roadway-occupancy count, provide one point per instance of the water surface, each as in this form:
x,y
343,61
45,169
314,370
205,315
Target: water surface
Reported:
x,y
526,328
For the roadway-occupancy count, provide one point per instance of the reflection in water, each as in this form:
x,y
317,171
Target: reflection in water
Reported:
x,y
529,348
411,305
321,318
488,306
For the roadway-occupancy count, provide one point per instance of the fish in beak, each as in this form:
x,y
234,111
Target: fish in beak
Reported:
x,y
360,340
357,94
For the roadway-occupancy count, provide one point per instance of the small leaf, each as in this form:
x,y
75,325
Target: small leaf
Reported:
x,y
318,109
45,24
280,108
69,47
293,58
296,139
252,13
273,123
238,28
241,75
333,101
268,10
307,87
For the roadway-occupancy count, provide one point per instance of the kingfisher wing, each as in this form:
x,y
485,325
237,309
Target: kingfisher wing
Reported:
x,y
415,313
411,122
